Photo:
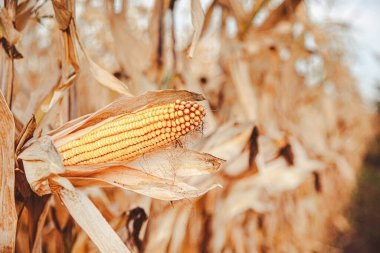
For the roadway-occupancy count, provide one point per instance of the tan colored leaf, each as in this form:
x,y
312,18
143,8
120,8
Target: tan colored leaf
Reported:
x,y
8,216
107,79
62,15
143,183
26,134
101,75
91,220
177,163
197,19
168,163
59,90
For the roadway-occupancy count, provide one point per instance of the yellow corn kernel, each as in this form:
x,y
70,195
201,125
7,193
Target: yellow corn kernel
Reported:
x,y
133,134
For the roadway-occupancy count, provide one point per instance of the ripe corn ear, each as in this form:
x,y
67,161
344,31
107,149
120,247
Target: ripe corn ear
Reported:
x,y
133,134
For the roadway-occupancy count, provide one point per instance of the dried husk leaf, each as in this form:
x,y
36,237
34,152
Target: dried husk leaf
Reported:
x,y
58,92
26,134
143,183
41,160
177,163
160,175
8,216
168,163
91,221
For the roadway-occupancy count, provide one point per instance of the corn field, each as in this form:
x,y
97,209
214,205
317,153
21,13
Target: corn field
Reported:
x,y
125,128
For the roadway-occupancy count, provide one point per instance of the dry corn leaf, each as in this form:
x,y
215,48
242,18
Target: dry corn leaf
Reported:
x,y
182,163
8,216
168,163
91,221
101,75
58,92
62,15
143,183
197,19
107,79
26,134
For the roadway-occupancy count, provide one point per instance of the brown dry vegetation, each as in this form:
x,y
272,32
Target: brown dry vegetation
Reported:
x,y
285,130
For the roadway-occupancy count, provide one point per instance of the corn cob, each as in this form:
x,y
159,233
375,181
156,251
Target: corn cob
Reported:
x,y
133,134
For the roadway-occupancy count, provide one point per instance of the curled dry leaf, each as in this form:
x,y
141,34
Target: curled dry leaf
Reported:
x,y
91,221
8,217
143,183
101,75
106,79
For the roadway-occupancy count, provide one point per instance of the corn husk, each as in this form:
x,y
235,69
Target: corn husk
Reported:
x,y
162,176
